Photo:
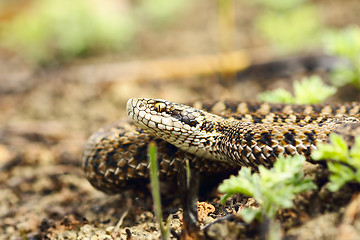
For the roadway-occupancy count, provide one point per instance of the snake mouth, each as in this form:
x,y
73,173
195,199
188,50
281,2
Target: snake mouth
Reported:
x,y
129,105
135,103
136,110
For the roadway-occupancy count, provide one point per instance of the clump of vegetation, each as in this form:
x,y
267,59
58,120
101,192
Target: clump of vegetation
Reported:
x,y
345,44
65,29
343,163
57,31
309,90
272,188
296,22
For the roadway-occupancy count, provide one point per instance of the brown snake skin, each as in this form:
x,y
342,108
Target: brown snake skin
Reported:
x,y
115,157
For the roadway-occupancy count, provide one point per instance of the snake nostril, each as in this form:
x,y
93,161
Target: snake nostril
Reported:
x,y
141,106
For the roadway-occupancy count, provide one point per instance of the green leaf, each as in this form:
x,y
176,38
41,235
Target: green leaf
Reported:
x,y
337,149
340,176
355,152
345,44
343,75
243,183
155,190
344,165
279,95
224,197
312,90
250,214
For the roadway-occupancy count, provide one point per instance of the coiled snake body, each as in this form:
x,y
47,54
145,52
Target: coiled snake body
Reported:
x,y
216,136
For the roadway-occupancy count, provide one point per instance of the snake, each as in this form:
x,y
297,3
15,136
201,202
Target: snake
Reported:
x,y
215,136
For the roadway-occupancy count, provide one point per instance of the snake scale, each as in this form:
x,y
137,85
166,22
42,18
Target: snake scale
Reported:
x,y
216,136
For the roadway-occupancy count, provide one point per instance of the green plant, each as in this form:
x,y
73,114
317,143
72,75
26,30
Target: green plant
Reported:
x,y
289,25
57,31
64,29
290,30
309,90
343,163
272,188
155,191
345,44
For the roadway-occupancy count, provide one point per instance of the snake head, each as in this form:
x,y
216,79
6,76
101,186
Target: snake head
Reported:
x,y
183,126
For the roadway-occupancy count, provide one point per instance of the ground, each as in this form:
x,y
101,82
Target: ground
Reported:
x,y
47,114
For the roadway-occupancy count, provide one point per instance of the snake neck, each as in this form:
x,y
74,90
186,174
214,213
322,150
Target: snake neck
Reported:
x,y
252,144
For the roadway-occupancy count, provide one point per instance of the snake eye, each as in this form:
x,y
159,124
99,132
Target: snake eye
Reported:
x,y
159,107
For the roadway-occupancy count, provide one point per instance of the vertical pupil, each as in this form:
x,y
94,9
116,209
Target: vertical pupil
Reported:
x,y
159,107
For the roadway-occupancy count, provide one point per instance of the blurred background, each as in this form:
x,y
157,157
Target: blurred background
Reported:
x,y
68,67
